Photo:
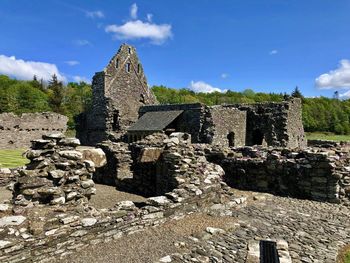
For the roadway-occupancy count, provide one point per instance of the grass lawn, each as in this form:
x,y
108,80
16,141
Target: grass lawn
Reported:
x,y
327,136
12,158
347,258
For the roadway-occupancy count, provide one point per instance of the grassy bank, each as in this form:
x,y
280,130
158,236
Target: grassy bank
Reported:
x,y
327,136
12,158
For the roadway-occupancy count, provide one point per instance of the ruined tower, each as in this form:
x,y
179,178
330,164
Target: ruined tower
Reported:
x,y
118,93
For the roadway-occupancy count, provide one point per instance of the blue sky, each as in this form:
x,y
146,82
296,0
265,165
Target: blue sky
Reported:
x,y
268,46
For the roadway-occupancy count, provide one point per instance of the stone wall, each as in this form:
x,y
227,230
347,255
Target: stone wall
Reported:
x,y
118,92
17,131
276,124
56,174
229,126
315,174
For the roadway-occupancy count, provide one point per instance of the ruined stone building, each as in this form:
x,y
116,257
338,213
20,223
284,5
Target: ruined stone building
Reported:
x,y
118,92
125,109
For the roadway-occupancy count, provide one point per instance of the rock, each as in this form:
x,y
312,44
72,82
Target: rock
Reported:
x,y
158,200
88,221
70,142
57,174
70,154
11,220
5,171
4,207
96,155
165,259
5,243
87,184
53,136
213,230
125,205
58,201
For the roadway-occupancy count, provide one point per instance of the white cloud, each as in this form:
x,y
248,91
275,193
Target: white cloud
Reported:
x,y
224,75
82,42
345,95
94,14
25,70
273,52
133,11
81,79
149,18
201,86
338,78
72,62
137,29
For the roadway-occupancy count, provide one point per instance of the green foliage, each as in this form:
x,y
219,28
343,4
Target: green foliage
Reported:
x,y
169,96
32,96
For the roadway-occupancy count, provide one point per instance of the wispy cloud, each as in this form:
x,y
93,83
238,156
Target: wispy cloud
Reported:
x,y
137,29
133,11
94,14
149,18
224,75
201,86
82,42
25,70
273,52
337,78
81,79
72,62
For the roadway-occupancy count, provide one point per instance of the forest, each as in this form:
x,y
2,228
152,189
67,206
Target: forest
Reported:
x,y
320,114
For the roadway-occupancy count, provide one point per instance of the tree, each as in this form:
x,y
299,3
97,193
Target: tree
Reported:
x,y
297,94
56,94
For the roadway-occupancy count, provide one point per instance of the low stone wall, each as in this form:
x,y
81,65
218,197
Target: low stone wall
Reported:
x,y
315,174
37,232
17,131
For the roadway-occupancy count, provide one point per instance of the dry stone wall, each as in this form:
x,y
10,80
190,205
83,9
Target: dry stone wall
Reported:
x,y
315,174
56,174
17,131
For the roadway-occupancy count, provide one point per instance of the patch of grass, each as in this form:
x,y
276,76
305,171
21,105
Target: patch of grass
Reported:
x,y
326,136
347,258
12,158
344,255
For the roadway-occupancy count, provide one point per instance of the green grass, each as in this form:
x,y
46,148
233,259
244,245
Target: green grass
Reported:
x,y
327,136
12,158
347,257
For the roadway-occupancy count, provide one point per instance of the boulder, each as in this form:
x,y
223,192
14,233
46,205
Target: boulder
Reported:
x,y
96,155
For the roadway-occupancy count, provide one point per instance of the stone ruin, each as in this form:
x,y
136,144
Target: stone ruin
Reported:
x,y
56,173
182,158
125,110
16,132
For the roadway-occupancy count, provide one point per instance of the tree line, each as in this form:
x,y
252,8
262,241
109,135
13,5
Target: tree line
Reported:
x,y
320,114
21,96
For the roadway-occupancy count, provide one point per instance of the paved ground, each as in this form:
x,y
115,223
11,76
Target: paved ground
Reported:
x,y
314,232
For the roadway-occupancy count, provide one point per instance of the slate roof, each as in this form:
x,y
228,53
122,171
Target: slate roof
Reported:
x,y
155,120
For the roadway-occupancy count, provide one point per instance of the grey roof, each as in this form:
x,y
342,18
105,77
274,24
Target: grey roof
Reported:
x,y
155,120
